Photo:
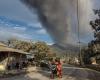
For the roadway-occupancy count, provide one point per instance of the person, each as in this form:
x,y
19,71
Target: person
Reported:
x,y
53,69
17,65
59,68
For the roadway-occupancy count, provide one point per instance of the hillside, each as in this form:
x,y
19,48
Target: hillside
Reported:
x,y
64,50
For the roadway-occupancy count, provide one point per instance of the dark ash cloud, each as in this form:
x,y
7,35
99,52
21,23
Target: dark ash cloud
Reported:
x,y
59,17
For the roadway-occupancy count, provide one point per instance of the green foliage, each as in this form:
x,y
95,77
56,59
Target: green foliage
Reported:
x,y
21,45
93,49
42,50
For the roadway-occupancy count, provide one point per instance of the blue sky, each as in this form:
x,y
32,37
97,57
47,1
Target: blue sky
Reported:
x,y
16,21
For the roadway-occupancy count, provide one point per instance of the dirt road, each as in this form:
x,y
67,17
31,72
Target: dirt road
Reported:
x,y
69,73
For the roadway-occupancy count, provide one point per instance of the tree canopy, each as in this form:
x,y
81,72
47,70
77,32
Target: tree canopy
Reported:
x,y
39,49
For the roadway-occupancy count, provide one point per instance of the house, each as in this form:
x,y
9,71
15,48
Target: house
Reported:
x,y
9,57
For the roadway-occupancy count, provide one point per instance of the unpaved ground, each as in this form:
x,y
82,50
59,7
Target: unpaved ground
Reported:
x,y
69,73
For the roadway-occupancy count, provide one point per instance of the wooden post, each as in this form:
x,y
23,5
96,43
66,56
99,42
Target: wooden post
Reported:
x,y
20,61
8,61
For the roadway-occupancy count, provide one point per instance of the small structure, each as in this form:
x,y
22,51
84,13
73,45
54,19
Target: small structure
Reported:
x,y
93,61
10,57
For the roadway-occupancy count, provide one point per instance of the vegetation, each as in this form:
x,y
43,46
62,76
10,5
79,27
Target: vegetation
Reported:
x,y
21,45
40,49
93,50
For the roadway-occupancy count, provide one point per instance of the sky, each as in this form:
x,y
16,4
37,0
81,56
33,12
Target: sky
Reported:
x,y
17,21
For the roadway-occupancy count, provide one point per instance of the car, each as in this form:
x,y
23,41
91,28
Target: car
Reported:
x,y
44,64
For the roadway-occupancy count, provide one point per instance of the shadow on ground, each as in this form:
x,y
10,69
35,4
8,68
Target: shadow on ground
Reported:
x,y
19,77
81,74
68,74
75,74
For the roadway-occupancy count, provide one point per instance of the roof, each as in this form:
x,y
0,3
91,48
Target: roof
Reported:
x,y
1,44
4,48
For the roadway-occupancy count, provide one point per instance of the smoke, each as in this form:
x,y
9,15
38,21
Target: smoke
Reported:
x,y
59,17
85,14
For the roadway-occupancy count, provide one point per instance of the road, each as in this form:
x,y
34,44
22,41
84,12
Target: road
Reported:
x,y
69,73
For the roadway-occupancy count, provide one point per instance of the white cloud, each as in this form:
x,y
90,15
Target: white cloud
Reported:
x,y
7,33
41,31
35,25
20,28
50,43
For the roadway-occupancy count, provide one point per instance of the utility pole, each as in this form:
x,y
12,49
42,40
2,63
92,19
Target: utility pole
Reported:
x,y
79,42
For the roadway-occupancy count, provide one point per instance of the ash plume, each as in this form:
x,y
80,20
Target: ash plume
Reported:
x,y
59,16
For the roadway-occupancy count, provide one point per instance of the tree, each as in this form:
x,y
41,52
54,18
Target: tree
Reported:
x,y
41,49
94,46
21,45
95,24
